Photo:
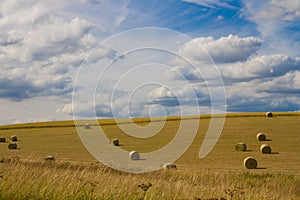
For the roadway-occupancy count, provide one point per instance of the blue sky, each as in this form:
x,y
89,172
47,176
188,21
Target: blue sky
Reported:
x,y
247,49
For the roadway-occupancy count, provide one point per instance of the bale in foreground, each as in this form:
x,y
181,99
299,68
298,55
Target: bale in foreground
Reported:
x,y
169,166
12,146
49,158
250,163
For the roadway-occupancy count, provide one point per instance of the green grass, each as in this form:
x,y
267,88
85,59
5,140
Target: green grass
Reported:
x,y
77,175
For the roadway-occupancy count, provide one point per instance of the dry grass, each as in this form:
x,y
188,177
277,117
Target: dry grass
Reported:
x,y
24,179
220,174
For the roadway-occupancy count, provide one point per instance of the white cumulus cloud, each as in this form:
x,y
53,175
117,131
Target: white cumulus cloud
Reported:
x,y
41,44
261,67
223,50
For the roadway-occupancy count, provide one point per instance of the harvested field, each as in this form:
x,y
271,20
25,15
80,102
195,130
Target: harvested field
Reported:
x,y
60,139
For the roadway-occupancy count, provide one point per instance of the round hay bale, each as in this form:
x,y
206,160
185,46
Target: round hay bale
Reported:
x,y
87,126
169,166
14,138
261,137
115,142
264,148
269,114
2,139
240,147
49,158
12,146
250,163
133,155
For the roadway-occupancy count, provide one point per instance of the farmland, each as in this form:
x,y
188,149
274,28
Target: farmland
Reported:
x,y
76,174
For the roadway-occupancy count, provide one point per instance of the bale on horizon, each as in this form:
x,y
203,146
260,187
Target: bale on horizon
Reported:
x,y
269,114
87,126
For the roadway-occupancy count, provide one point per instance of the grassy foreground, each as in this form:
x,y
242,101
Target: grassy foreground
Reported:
x,y
23,179
77,175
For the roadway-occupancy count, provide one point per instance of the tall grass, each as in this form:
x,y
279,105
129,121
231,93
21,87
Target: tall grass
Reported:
x,y
29,179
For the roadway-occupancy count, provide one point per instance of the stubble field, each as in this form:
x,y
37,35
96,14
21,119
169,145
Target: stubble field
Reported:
x,y
75,174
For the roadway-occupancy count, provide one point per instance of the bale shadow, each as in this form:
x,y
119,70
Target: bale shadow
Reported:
x,y
141,159
120,145
16,149
268,140
248,150
271,153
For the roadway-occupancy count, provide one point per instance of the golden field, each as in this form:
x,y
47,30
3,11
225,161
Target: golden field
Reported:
x,y
221,174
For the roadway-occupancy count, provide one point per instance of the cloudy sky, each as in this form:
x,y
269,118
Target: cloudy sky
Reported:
x,y
100,58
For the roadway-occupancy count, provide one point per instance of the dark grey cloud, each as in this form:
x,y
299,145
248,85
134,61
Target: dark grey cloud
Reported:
x,y
272,103
18,89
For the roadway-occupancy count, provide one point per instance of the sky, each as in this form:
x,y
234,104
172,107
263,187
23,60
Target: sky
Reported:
x,y
138,58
